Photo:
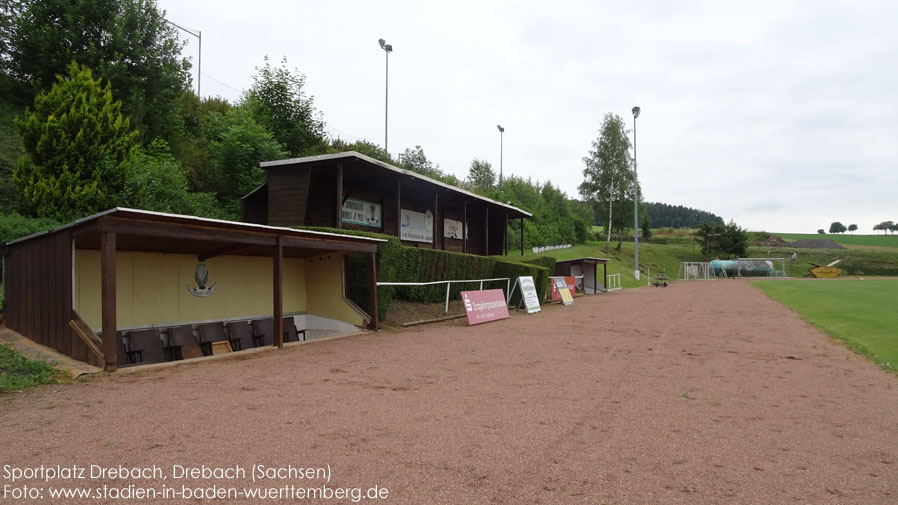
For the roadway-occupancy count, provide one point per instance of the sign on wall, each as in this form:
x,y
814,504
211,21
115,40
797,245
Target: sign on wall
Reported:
x,y
453,228
202,278
361,212
416,226
484,306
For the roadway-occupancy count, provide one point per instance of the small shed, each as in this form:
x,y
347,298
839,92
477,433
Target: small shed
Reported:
x,y
126,269
353,191
588,269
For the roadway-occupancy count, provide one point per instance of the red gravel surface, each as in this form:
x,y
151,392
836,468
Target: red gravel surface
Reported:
x,y
704,392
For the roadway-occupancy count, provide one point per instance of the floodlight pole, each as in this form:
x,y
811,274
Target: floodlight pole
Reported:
x,y
199,59
636,111
501,151
388,48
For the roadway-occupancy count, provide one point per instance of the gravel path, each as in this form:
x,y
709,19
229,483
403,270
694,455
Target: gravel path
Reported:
x,y
700,393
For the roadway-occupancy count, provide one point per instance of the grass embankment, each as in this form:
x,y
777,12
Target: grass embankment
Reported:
x,y
19,372
849,241
861,313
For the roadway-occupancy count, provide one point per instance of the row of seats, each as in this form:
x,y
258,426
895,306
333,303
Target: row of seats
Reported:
x,y
155,345
538,250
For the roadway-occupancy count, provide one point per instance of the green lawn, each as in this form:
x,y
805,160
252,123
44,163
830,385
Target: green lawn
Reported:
x,y
846,239
861,313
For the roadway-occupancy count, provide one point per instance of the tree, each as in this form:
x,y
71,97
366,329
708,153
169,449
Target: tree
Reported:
x,y
416,161
158,182
717,239
837,227
78,148
236,145
369,149
278,102
852,228
126,42
481,176
608,176
886,227
821,232
645,225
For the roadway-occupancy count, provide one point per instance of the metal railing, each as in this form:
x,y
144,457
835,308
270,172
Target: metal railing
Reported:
x,y
613,282
449,285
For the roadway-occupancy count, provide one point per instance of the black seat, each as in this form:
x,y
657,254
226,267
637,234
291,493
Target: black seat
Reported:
x,y
291,334
263,333
146,346
209,333
183,343
241,335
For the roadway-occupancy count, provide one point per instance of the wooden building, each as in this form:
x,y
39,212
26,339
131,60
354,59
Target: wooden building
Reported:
x,y
588,269
127,269
350,190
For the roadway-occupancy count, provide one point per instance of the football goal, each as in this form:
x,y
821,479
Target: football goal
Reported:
x,y
694,271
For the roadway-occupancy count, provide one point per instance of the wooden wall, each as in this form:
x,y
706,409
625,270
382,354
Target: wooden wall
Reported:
x,y
38,292
288,192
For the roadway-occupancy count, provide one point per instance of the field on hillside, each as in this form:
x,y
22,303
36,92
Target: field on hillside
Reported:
x,y
846,239
859,312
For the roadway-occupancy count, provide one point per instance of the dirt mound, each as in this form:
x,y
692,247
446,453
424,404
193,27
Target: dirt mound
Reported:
x,y
776,241
816,244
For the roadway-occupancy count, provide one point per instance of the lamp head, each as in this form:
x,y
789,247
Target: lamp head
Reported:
x,y
501,130
381,42
383,45
636,112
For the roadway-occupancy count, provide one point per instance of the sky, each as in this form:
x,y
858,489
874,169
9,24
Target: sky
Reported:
x,y
782,116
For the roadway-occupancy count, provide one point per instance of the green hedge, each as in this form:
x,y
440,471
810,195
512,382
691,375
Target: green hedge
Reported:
x,y
397,263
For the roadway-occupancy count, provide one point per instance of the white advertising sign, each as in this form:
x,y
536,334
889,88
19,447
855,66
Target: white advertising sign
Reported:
x,y
528,290
416,226
361,212
452,228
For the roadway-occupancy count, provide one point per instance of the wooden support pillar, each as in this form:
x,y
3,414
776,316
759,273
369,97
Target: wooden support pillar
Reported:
x,y
522,236
595,279
605,281
436,219
278,295
464,229
107,299
398,208
486,231
372,282
505,250
338,219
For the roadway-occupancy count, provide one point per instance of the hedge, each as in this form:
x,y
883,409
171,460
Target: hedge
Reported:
x,y
398,263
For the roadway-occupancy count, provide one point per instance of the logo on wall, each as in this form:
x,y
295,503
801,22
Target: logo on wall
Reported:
x,y
201,277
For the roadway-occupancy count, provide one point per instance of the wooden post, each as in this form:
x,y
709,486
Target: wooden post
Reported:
x,y
372,281
505,250
486,231
339,217
398,208
436,219
522,236
107,299
464,229
605,280
595,278
278,302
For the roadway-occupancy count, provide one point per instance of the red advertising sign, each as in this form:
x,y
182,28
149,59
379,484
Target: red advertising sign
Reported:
x,y
484,306
571,286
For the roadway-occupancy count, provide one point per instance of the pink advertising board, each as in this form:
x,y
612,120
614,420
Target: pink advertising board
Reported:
x,y
484,306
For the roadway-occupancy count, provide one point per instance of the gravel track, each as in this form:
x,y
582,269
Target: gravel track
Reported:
x,y
700,393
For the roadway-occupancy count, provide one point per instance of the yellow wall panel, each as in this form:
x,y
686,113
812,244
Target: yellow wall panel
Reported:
x,y
151,288
324,289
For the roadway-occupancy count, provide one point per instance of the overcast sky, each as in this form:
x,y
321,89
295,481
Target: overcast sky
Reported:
x,y
780,115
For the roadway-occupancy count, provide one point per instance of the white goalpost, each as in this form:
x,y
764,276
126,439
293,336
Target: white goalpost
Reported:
x,y
694,271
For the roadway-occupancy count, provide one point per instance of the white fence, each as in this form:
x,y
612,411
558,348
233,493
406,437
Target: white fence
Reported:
x,y
537,250
613,282
449,285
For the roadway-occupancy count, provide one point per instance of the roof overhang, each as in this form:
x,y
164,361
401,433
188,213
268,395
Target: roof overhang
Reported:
x,y
353,155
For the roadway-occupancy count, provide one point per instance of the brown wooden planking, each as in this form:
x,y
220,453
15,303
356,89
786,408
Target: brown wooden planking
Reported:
x,y
288,191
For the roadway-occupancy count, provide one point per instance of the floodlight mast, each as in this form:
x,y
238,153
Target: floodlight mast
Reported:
x,y
501,150
388,48
636,111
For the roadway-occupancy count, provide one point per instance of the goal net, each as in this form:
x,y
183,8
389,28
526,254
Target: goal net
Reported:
x,y
694,271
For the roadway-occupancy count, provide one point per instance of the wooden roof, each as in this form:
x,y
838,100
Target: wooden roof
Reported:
x,y
140,230
364,168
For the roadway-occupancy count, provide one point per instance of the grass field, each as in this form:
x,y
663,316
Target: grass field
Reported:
x,y
861,313
846,239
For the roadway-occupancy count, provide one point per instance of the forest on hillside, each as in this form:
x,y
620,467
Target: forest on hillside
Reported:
x,y
97,110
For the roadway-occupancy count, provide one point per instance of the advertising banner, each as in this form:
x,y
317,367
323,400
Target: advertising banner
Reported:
x,y
361,212
416,226
452,228
484,306
568,282
528,290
